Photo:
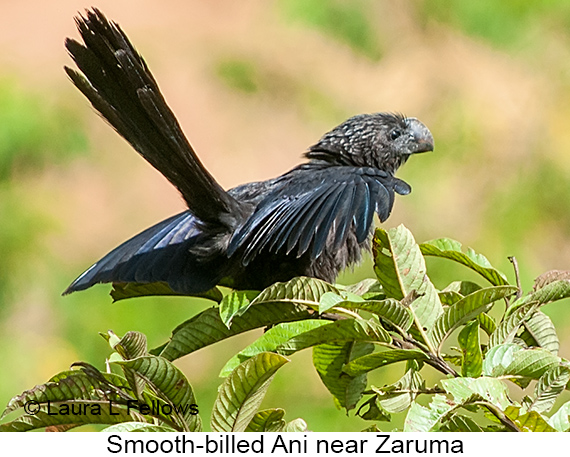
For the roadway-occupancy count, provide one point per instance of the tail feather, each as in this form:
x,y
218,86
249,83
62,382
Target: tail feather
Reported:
x,y
119,85
159,254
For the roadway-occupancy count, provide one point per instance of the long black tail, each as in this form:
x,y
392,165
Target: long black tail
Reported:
x,y
121,88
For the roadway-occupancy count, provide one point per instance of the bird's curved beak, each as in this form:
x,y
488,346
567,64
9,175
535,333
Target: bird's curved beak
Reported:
x,y
422,137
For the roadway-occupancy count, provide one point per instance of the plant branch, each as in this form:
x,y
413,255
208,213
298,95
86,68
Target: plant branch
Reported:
x,y
503,418
427,391
513,260
433,359
440,365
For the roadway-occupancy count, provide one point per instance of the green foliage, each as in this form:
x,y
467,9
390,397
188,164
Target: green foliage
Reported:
x,y
240,396
330,359
241,75
452,250
485,341
272,83
470,344
33,134
347,22
501,23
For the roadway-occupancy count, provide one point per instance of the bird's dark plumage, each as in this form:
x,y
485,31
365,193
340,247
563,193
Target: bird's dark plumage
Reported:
x,y
313,221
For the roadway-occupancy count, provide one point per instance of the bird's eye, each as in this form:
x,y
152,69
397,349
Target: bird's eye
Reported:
x,y
395,134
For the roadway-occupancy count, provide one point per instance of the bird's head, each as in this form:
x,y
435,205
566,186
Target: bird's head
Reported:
x,y
379,140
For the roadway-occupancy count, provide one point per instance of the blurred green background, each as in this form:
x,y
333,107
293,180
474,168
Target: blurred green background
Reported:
x,y
254,84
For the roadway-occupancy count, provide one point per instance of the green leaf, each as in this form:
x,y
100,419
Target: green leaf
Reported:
x,y
389,310
375,360
542,332
207,327
488,389
398,262
92,395
59,416
454,359
449,297
236,304
329,360
427,419
463,288
561,419
329,300
295,426
460,423
553,291
300,290
373,412
169,384
400,268
398,397
242,392
67,386
512,360
131,346
531,421
452,250
267,420
137,427
456,290
510,325
466,309
367,288
270,340
426,309
122,291
550,385
487,323
111,338
468,338
271,420
337,332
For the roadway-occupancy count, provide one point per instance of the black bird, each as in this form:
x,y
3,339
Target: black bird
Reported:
x,y
312,221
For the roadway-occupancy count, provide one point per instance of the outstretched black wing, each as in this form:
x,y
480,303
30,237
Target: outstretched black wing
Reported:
x,y
161,253
120,86
313,204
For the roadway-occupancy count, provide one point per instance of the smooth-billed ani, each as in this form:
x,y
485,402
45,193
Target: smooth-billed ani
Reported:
x,y
312,221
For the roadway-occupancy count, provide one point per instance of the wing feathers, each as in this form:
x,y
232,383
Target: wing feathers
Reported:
x,y
324,223
302,223
364,211
345,216
156,254
299,217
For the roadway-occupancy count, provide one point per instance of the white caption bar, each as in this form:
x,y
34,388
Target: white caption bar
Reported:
x,y
283,444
